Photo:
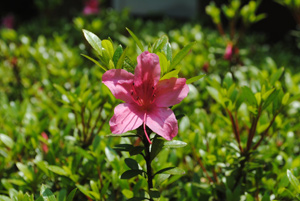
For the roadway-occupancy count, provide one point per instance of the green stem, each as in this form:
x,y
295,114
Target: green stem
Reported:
x,y
147,159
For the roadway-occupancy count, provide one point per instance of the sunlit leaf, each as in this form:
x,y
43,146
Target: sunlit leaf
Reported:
x,y
93,40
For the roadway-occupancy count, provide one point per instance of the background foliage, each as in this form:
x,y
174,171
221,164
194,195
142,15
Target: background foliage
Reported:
x,y
240,122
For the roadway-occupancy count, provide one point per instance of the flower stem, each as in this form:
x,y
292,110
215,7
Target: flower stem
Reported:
x,y
148,164
147,157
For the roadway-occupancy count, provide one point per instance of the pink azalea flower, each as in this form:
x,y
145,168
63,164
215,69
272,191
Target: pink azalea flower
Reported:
x,y
45,147
228,52
91,7
147,98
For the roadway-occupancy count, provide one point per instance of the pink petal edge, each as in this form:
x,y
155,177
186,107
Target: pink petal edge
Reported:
x,y
171,92
126,117
163,122
119,82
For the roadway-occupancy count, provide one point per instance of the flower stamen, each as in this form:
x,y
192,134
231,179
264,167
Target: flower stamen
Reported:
x,y
145,115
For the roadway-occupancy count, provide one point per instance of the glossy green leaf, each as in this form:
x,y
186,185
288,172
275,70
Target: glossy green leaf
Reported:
x,y
136,150
174,144
95,62
163,63
171,171
293,180
93,40
123,147
108,46
71,195
138,42
160,43
26,171
117,55
131,163
160,178
57,170
121,59
173,73
7,140
157,145
47,194
131,173
167,49
180,55
194,79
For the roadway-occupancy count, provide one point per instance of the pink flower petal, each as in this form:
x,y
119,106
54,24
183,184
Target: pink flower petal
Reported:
x,y
119,82
171,92
147,70
126,117
163,122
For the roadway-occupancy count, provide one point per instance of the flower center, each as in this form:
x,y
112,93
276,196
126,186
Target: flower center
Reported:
x,y
143,95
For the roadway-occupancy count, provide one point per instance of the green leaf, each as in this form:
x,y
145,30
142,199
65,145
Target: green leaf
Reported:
x,y
270,99
117,55
160,178
194,79
71,195
131,163
93,40
27,173
123,135
138,199
173,73
7,140
136,150
108,46
285,98
167,49
154,193
215,95
275,76
127,193
47,194
174,144
163,62
121,59
156,147
123,147
293,180
180,55
58,170
4,198
138,42
87,192
171,170
268,93
163,170
94,187
131,173
249,96
160,43
95,62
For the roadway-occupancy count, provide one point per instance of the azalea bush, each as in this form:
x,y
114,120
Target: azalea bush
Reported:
x,y
151,112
